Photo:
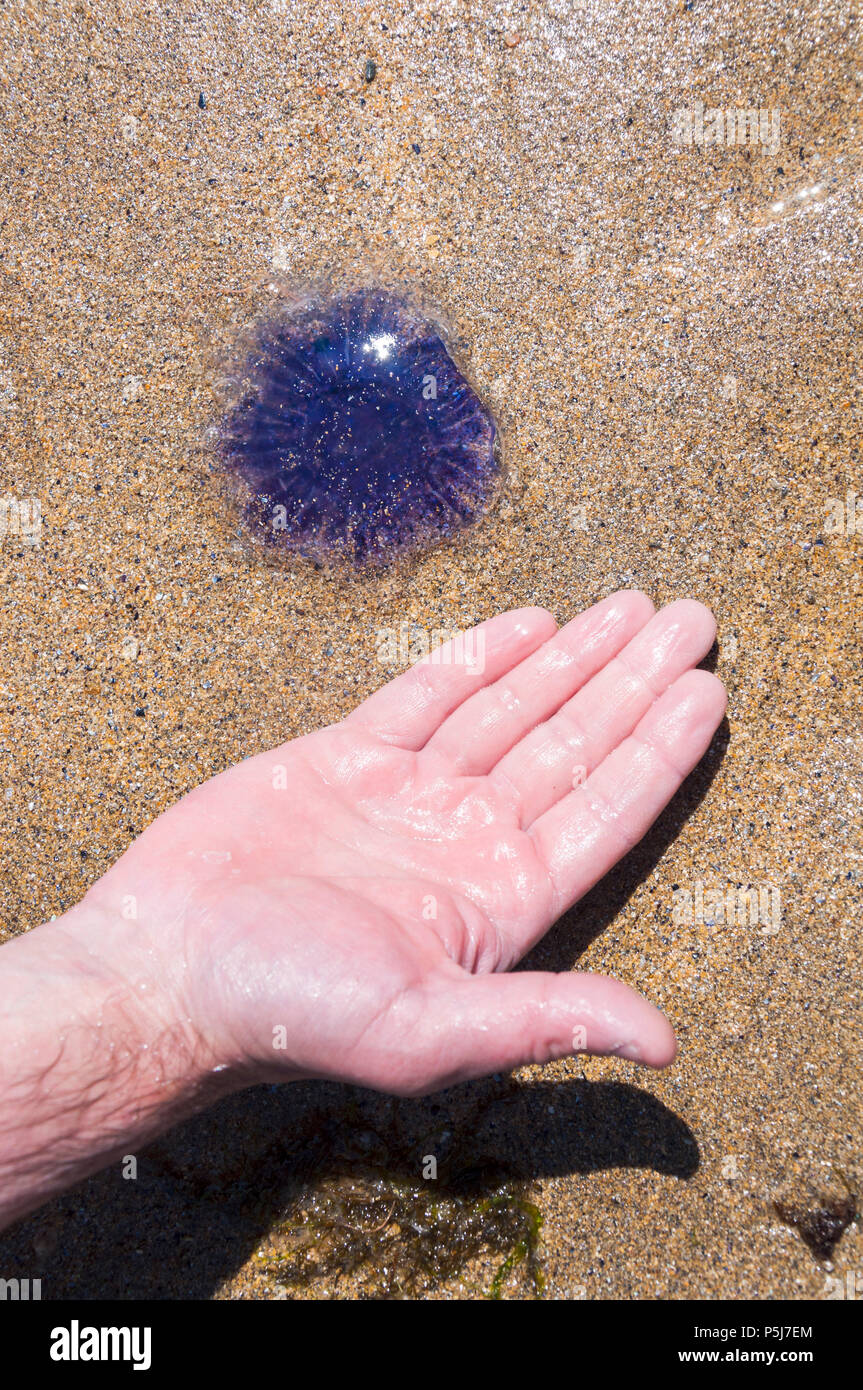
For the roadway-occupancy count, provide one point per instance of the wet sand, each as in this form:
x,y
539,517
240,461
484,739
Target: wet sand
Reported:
x,y
667,335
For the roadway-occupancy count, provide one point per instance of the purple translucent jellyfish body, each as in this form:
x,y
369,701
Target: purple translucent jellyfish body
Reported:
x,y
357,438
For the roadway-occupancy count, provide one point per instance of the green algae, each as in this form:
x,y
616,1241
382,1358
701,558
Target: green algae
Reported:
x,y
399,1239
367,1222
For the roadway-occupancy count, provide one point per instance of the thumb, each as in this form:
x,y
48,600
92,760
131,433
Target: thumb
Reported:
x,y
491,1023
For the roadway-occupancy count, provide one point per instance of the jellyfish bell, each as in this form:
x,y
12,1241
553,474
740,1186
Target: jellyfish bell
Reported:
x,y
354,436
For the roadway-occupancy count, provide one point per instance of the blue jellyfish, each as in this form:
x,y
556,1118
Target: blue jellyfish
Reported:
x,y
356,438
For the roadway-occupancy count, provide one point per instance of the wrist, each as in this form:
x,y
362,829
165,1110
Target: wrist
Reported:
x,y
95,1054
120,970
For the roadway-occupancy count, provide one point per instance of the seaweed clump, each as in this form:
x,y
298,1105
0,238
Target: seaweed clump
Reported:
x,y
399,1239
366,1214
820,1227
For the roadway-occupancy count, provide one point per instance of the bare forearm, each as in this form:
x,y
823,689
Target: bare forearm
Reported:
x,y
93,1062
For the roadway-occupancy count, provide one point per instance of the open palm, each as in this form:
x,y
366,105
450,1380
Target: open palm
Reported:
x,y
344,905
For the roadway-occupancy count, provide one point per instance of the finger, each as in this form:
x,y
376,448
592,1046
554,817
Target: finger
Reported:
x,y
585,834
492,1023
559,754
484,727
409,709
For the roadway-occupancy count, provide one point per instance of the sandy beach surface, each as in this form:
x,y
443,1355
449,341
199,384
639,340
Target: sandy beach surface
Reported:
x,y
666,333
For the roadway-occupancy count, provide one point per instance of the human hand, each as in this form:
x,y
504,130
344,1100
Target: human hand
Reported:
x,y
346,906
